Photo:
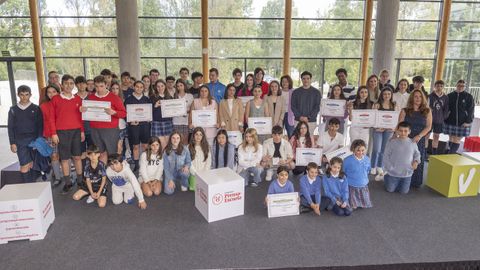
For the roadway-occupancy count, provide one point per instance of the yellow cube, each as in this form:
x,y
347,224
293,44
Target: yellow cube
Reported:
x,y
453,175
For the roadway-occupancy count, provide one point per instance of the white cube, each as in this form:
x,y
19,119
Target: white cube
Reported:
x,y
26,211
219,194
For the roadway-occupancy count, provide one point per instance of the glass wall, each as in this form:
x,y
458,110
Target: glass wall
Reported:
x,y
79,37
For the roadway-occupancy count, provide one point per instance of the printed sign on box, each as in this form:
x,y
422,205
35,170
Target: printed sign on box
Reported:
x,y
219,194
26,211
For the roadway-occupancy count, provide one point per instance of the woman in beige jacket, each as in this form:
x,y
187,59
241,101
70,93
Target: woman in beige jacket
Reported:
x,y
276,103
230,114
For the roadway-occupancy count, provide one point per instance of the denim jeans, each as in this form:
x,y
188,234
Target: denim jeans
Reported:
x,y
288,128
178,176
246,173
380,140
400,184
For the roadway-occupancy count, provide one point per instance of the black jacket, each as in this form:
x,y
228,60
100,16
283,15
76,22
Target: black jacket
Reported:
x,y
461,108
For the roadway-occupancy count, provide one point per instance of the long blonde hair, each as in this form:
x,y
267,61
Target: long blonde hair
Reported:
x,y
253,133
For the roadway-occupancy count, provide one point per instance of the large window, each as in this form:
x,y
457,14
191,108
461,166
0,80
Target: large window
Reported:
x,y
80,37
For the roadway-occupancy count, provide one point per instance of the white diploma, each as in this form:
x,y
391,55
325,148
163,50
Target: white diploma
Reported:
x,y
139,112
96,111
283,204
174,107
364,118
204,118
387,119
263,125
303,156
333,107
234,137
341,153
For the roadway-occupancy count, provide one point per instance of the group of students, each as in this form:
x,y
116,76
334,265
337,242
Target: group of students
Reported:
x,y
168,152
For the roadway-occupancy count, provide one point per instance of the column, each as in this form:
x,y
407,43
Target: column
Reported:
x,y
128,37
204,5
37,46
367,31
385,35
442,41
287,37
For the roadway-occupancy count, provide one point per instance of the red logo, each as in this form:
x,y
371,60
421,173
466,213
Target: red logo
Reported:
x,y
217,199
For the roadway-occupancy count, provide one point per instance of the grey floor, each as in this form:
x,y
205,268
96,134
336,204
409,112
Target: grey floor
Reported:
x,y
171,234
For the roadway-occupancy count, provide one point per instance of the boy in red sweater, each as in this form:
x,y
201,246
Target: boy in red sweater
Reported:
x,y
105,134
67,130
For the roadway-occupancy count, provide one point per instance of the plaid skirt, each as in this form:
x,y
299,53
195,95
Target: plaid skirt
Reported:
x,y
164,128
458,131
359,197
182,129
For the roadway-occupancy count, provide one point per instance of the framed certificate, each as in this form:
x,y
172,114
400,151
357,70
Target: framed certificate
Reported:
x,y
174,107
364,118
96,111
245,100
204,118
387,119
333,107
283,204
139,112
303,156
263,125
341,153
235,137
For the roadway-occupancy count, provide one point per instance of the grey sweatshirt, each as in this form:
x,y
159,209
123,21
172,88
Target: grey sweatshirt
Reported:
x,y
398,157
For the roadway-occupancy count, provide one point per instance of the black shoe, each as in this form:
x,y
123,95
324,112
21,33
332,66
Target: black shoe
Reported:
x,y
66,188
304,209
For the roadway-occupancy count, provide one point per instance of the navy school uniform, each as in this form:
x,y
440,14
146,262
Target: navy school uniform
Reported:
x,y
25,124
138,133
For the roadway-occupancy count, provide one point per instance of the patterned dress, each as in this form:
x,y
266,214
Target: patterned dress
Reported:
x,y
418,122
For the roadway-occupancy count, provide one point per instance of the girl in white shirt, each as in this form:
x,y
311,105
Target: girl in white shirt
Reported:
x,y
200,153
151,168
250,155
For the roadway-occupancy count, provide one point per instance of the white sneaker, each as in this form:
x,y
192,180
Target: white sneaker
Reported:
x,y
379,177
184,188
380,171
373,171
90,199
269,175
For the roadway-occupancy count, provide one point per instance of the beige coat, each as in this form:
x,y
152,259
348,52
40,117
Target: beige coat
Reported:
x,y
231,122
279,113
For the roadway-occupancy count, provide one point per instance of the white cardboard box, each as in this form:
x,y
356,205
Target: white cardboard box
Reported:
x,y
26,211
219,194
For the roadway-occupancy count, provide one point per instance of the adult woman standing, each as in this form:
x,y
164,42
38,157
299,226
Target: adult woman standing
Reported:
x,y
204,102
230,111
287,89
419,115
275,103
459,120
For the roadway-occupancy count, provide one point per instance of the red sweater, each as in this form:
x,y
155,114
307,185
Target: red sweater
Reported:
x,y
47,111
116,105
65,114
